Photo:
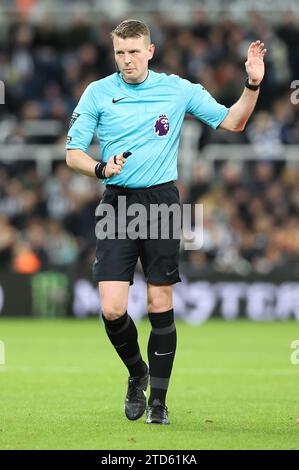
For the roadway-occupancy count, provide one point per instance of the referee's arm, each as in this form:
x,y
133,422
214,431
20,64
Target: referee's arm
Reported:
x,y
241,111
81,131
79,161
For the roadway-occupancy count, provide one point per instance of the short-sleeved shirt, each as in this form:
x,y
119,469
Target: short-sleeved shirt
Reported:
x,y
145,119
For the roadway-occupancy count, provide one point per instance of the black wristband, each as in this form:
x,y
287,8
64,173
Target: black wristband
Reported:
x,y
99,170
250,86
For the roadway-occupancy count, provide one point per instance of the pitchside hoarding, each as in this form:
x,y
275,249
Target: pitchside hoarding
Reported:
x,y
196,299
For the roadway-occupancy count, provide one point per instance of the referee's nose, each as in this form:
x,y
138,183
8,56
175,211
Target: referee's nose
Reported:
x,y
127,59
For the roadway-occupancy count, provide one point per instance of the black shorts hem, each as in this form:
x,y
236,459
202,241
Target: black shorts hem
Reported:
x,y
101,278
160,282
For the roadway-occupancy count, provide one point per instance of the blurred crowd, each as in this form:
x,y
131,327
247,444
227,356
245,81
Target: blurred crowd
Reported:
x,y
251,209
46,222
250,222
45,68
250,218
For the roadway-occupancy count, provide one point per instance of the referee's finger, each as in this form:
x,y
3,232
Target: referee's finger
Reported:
x,y
116,167
118,159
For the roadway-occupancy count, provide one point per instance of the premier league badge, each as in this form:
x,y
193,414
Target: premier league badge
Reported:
x,y
162,125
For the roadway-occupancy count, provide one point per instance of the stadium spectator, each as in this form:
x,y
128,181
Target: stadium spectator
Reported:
x,y
38,58
32,52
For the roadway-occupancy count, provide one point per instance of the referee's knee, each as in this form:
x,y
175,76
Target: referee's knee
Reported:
x,y
113,310
159,298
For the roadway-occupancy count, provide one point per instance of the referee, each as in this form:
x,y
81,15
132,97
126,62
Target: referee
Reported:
x,y
138,113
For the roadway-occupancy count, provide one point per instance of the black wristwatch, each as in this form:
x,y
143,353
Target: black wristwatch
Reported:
x,y
250,86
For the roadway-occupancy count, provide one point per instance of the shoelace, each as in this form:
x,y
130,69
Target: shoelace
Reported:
x,y
161,408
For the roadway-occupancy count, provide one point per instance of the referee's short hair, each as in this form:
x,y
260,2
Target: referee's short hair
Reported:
x,y
131,29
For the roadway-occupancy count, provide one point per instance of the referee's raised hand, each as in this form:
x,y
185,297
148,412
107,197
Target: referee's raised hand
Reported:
x,y
114,165
254,65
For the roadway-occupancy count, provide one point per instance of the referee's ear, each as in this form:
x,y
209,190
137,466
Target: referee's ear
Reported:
x,y
151,51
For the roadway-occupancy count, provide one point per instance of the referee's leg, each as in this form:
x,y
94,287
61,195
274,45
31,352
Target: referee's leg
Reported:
x,y
123,335
161,349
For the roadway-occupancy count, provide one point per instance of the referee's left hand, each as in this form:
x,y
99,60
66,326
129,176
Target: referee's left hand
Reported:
x,y
113,168
254,65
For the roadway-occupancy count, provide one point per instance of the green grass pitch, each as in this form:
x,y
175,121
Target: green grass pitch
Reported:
x,y
233,387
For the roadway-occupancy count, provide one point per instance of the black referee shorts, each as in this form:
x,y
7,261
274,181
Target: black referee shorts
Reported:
x,y
116,258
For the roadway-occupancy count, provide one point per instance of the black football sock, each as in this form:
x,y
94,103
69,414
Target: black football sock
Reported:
x,y
123,335
161,352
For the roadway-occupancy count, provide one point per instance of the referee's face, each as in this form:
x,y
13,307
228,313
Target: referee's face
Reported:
x,y
132,56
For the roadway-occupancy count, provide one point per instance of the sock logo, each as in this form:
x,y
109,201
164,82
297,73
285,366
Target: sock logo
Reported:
x,y
162,354
120,345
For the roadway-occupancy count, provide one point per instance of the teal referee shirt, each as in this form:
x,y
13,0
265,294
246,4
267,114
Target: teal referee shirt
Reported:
x,y
145,119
